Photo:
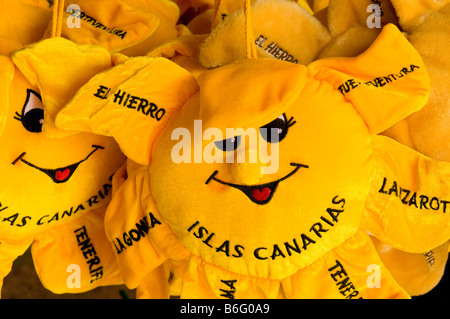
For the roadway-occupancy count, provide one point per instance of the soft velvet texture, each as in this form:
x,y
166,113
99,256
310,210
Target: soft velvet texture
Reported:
x,y
131,27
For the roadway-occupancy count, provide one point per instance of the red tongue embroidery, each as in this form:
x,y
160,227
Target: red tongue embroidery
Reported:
x,y
261,195
62,175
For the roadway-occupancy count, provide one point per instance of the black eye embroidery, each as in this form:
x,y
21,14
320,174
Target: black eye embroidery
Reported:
x,y
281,124
229,144
32,116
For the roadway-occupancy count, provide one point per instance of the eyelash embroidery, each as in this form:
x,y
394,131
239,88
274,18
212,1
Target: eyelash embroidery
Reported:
x,y
18,117
282,123
291,122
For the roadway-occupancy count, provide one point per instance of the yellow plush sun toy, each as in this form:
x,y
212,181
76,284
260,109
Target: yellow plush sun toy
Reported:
x,y
55,184
131,27
425,23
254,177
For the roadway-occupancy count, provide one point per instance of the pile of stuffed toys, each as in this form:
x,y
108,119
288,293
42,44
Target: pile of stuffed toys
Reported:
x,y
227,148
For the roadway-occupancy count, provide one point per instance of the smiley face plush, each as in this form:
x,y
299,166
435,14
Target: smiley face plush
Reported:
x,y
287,223
54,184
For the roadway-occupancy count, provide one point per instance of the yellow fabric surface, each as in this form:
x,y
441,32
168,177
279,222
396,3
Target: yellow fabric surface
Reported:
x,y
131,79
81,243
47,74
318,5
211,15
10,249
275,26
340,273
416,273
412,188
184,51
22,22
131,27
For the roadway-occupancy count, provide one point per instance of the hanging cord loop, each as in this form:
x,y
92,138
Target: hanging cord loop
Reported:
x,y
216,16
57,19
249,36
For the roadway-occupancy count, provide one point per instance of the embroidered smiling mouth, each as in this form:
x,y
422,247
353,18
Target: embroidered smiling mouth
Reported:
x,y
259,194
59,175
